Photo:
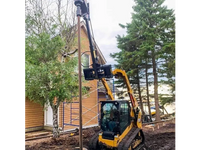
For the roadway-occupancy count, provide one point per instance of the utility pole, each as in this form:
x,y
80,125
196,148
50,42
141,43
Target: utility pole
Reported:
x,y
80,85
78,4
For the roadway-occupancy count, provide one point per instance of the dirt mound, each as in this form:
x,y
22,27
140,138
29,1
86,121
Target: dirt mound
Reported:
x,y
162,138
65,142
160,141
50,144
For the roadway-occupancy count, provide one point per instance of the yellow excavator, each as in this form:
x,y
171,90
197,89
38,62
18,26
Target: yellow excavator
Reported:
x,y
120,120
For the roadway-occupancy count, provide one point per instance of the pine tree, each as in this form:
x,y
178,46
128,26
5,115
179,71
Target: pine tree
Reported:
x,y
150,35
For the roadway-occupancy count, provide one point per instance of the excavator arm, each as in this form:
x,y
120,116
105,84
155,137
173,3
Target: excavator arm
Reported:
x,y
121,73
118,73
108,90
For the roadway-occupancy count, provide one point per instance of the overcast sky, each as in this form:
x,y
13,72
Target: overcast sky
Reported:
x,y
105,18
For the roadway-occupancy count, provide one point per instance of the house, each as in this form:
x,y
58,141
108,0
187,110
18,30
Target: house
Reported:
x,y
37,118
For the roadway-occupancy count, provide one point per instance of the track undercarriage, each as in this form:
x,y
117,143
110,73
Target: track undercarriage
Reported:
x,y
134,140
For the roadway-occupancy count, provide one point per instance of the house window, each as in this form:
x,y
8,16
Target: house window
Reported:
x,y
85,61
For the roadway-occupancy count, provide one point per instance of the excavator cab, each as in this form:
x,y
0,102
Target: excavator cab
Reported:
x,y
115,118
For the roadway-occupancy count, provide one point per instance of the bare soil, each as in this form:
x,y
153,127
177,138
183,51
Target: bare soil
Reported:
x,y
159,139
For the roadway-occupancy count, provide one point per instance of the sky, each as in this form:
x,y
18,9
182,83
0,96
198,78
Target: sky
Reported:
x,y
105,18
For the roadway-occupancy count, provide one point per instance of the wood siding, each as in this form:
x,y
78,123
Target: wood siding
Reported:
x,y
34,114
89,108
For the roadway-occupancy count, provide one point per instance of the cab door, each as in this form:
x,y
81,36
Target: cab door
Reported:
x,y
124,116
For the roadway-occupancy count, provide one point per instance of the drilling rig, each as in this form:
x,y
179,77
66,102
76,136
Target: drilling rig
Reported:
x,y
120,120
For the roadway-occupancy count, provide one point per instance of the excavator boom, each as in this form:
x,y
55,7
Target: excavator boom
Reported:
x,y
108,90
121,73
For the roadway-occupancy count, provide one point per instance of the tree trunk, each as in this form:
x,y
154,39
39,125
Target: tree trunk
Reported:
x,y
139,92
155,88
56,132
147,86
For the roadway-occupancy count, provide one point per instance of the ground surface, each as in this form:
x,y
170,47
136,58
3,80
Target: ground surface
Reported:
x,y
162,138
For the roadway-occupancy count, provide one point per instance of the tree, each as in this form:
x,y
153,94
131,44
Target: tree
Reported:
x,y
167,68
150,36
147,86
54,18
50,36
175,70
124,58
48,81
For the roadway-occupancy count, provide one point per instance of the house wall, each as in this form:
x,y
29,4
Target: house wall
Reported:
x,y
89,110
34,115
89,102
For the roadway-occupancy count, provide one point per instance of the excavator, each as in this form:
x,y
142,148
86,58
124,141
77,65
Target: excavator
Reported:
x,y
121,122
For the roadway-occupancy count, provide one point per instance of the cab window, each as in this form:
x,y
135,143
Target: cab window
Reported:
x,y
124,116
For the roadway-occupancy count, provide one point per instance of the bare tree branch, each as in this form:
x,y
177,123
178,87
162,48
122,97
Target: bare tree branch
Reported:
x,y
55,17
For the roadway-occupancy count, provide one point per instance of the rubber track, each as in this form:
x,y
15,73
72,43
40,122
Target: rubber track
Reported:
x,y
93,142
126,142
